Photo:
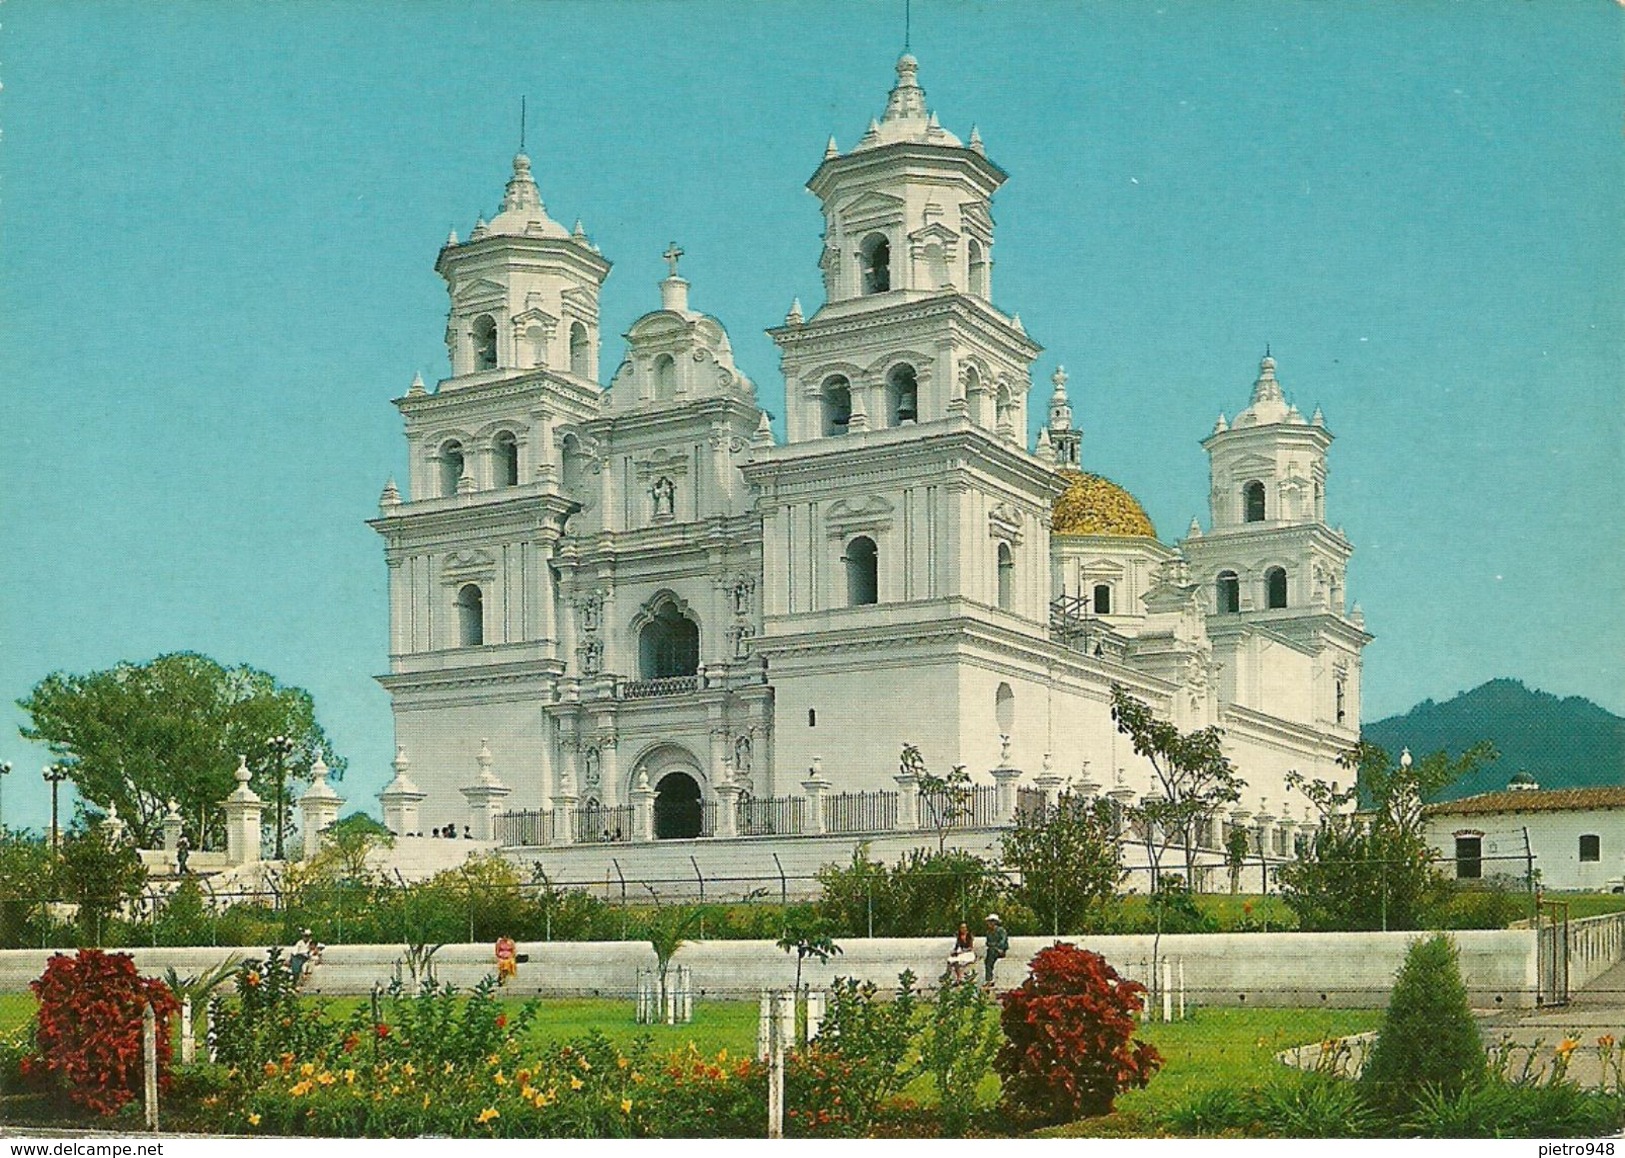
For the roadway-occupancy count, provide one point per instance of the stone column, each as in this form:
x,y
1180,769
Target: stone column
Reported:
x,y
643,809
1239,818
1005,777
609,767
908,801
172,829
1289,835
815,785
564,802
1049,784
318,807
113,824
485,797
243,811
727,790
400,799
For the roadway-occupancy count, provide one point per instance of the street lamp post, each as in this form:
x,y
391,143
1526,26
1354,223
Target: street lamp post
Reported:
x,y
5,770
281,747
54,775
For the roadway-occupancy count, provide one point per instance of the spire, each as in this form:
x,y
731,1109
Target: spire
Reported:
x,y
976,140
451,238
521,194
391,496
1317,419
417,384
794,317
764,432
1195,531
1266,389
907,99
1221,425
831,149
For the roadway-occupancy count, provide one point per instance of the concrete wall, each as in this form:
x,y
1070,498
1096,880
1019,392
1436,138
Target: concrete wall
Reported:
x,y
1271,969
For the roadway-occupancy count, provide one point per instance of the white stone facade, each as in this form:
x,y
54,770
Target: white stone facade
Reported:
x,y
1575,837
631,584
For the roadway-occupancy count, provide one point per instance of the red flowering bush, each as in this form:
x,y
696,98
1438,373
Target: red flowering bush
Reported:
x,y
1069,1046
89,1027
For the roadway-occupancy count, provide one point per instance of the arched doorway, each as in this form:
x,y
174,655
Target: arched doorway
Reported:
x,y
678,815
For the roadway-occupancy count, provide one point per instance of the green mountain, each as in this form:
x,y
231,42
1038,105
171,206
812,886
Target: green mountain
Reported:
x,y
1562,743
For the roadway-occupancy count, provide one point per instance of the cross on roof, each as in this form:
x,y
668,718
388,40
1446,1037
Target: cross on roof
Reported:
x,y
671,255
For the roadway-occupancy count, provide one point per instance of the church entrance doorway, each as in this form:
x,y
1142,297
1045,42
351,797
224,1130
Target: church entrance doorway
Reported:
x,y
678,814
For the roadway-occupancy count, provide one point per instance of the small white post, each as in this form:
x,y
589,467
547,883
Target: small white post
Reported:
x,y
641,996
668,995
786,1014
1167,991
688,994
149,1060
783,1013
764,1027
188,1046
1182,989
208,1033
815,1013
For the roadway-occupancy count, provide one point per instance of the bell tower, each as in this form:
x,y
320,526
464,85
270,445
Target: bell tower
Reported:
x,y
1272,569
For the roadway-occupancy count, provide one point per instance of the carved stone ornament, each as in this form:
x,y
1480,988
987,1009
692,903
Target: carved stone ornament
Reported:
x,y
591,776
592,656
664,495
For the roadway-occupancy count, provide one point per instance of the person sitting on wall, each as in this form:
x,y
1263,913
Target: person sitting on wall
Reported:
x,y
507,959
962,957
998,945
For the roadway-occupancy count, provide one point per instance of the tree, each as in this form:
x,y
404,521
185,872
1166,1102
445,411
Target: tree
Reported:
x,y
807,936
348,843
947,799
1371,870
1195,777
25,874
1068,859
668,930
137,736
1429,1038
99,874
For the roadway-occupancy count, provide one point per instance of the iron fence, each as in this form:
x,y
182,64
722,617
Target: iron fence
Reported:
x,y
860,812
651,689
596,823
1030,803
525,827
772,816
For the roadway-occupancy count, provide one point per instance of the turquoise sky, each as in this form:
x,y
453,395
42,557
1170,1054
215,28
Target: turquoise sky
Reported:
x,y
220,221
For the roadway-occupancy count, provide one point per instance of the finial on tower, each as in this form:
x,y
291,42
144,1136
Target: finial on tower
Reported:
x,y
521,123
672,255
417,386
794,317
1059,378
976,140
831,149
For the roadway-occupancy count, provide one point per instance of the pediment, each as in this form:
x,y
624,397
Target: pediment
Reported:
x,y
535,315
1253,464
658,325
579,302
463,564
864,511
873,205
977,214
480,290
1097,568
936,231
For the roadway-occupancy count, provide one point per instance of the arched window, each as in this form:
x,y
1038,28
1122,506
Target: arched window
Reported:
x,y
1342,701
505,455
1320,501
1252,502
668,645
837,405
903,394
978,268
1228,589
485,343
1004,710
580,351
470,616
536,339
862,572
1007,578
665,376
876,264
1275,588
1102,601
451,467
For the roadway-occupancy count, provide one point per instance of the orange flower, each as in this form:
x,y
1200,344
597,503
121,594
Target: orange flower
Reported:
x,y
253,978
1606,1041
270,1069
1566,1047
487,1114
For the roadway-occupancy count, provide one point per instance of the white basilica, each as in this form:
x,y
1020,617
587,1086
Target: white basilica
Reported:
x,y
626,610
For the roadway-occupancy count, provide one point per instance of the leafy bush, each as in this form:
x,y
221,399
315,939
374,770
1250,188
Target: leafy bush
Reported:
x,y
863,1056
88,1028
1501,1109
1314,1106
267,1021
1480,908
436,1025
1069,1046
1173,908
1428,1036
1215,1110
923,894
961,1040
1069,861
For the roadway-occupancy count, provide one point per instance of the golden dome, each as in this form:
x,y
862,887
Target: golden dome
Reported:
x,y
1092,505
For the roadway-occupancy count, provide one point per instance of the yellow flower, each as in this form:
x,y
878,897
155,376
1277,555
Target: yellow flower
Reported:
x,y
306,1070
522,1076
300,1090
487,1114
447,1068
722,1056
494,1060
499,1079
425,1101
349,1077
626,1105
232,1072
253,1119
408,1069
637,1077
528,1092
620,1060
394,1090
326,1078
585,1064
576,1083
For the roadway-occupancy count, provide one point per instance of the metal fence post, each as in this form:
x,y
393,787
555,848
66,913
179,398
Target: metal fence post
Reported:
x,y
784,886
